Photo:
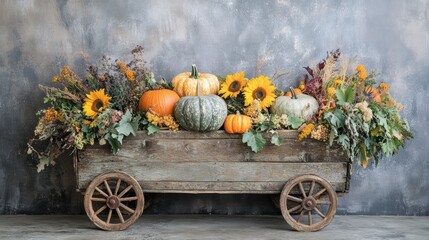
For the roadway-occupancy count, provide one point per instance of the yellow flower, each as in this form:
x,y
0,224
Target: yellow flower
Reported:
x,y
331,91
338,82
130,75
122,66
56,79
67,73
384,86
52,115
301,85
95,103
305,131
86,122
254,109
259,88
361,72
232,85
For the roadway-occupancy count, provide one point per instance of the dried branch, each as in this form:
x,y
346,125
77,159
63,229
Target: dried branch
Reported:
x,y
278,74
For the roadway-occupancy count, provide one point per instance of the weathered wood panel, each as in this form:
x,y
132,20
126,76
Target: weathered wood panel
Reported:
x,y
216,171
144,148
213,162
224,187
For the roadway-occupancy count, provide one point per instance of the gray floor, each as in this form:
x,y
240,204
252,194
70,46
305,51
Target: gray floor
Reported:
x,y
213,227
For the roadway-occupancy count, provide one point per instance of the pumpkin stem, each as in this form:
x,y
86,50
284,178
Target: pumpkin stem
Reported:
x,y
237,113
293,93
194,72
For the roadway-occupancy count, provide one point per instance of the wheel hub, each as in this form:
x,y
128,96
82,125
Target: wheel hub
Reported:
x,y
112,202
309,203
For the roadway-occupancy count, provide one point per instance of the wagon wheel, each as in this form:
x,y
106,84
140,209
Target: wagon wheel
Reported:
x,y
312,198
114,201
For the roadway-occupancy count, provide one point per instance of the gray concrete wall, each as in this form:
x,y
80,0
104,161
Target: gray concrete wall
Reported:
x,y
38,37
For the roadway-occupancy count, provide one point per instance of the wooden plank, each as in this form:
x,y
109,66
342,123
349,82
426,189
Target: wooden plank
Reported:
x,y
215,171
213,187
163,134
200,150
217,187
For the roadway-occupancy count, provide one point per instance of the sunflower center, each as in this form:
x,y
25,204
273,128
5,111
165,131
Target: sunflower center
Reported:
x,y
259,93
234,86
97,105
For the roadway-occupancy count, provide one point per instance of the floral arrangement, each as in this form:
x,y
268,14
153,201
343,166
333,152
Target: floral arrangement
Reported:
x,y
102,108
336,102
354,112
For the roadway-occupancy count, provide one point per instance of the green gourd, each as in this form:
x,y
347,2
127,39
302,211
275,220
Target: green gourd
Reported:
x,y
301,106
201,113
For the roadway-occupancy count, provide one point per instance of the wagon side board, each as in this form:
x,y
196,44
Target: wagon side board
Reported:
x,y
216,162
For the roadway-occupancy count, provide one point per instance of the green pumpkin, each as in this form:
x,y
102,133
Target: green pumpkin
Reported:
x,y
201,113
300,106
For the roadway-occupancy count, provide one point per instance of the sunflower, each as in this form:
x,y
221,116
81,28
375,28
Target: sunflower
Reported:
x,y
232,85
259,88
362,75
95,103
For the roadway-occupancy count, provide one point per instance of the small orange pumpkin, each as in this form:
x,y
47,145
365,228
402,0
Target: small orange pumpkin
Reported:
x,y
373,92
237,123
185,84
297,92
160,101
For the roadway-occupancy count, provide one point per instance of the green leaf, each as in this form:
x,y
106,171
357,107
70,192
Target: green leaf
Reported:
x,y
125,129
126,118
335,118
254,140
340,96
151,129
85,128
264,128
276,140
135,124
114,144
295,122
349,95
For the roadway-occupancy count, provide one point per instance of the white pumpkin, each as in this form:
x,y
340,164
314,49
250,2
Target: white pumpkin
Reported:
x,y
300,106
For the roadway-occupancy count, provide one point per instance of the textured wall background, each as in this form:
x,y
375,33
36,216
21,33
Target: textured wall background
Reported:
x,y
38,37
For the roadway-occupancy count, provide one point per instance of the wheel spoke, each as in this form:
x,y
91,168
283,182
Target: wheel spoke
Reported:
x,y
302,189
319,193
108,188
300,216
323,202
319,213
94,199
295,199
311,188
127,199
101,192
125,191
310,219
120,215
294,208
100,210
109,216
126,208
118,184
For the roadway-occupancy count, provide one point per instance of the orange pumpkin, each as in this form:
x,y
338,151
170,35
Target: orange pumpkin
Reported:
x,y
373,92
297,92
237,123
160,102
185,84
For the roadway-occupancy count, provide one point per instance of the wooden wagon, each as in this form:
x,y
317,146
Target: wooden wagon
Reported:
x,y
307,175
